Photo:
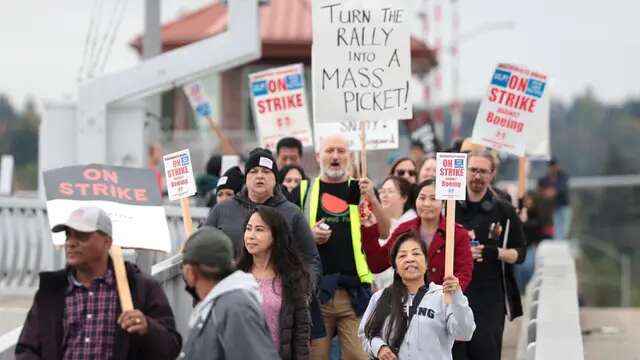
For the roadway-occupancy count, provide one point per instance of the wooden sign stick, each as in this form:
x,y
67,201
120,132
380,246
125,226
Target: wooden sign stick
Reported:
x,y
122,282
449,245
186,216
227,148
356,159
363,151
522,179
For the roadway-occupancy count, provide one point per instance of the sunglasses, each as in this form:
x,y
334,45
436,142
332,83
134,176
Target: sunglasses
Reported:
x,y
402,172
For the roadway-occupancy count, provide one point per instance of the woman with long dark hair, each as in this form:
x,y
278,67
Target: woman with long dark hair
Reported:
x,y
406,168
283,279
430,224
409,319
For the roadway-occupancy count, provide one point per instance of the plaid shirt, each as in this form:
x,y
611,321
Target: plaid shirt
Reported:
x,y
90,316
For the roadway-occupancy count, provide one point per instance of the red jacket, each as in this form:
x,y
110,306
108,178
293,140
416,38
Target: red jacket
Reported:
x,y
378,256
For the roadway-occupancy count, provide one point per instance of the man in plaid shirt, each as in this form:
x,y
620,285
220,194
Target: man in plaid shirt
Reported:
x,y
76,314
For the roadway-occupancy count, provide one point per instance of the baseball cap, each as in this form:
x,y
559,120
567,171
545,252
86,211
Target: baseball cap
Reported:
x,y
208,246
86,219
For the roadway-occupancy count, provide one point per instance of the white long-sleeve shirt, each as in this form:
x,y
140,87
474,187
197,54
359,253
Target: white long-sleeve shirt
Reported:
x,y
433,329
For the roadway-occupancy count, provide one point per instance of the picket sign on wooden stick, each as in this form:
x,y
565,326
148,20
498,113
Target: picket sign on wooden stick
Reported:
x,y
356,160
363,151
451,174
122,282
522,178
449,245
186,216
227,147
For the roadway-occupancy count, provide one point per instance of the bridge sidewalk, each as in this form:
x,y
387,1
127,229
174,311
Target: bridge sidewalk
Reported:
x,y
611,333
13,310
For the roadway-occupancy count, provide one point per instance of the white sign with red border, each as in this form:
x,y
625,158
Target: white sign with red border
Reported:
x,y
451,176
510,112
179,175
280,105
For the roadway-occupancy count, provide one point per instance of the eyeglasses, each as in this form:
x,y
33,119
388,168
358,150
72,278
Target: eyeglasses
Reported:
x,y
401,172
481,172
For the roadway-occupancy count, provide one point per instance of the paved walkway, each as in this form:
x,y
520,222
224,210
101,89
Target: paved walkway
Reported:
x,y
611,333
13,310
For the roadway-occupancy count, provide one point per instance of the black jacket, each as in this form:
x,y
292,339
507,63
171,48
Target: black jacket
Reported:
x,y
295,330
41,336
491,284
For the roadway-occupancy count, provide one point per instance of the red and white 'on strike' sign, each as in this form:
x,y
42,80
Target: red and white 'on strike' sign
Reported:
x,y
451,176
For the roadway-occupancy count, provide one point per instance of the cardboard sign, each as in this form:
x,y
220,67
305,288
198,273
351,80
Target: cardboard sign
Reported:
x,y
361,60
280,105
451,176
198,99
179,175
130,197
381,135
509,113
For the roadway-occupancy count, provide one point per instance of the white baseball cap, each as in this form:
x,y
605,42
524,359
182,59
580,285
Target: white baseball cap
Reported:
x,y
86,219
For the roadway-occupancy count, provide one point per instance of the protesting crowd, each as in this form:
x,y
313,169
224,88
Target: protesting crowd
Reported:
x,y
337,266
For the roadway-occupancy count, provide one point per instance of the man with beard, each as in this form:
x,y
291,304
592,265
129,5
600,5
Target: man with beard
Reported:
x,y
330,204
492,292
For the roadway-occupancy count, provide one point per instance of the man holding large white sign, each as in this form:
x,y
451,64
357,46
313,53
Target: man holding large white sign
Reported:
x,y
361,60
513,105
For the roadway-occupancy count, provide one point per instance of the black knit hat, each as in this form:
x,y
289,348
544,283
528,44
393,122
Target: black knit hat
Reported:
x,y
261,157
232,179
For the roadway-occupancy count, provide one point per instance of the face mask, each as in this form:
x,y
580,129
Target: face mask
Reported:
x,y
191,290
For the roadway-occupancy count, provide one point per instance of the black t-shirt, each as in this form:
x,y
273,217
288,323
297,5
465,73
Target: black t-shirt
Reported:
x,y
333,205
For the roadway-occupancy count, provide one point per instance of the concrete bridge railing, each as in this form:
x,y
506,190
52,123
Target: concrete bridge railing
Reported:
x,y
551,325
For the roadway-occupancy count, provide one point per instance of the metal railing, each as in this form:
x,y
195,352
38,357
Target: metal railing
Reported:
x,y
551,324
26,247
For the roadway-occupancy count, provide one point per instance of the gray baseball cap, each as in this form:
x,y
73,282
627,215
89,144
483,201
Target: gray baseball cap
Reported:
x,y
86,219
208,246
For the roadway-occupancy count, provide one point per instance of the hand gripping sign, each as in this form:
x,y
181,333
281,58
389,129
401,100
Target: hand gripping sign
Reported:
x,y
511,111
130,197
451,185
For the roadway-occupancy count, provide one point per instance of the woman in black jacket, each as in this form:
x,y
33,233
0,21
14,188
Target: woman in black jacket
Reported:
x,y
283,279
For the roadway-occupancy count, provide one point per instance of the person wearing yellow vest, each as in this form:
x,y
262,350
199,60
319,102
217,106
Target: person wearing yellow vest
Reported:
x,y
330,204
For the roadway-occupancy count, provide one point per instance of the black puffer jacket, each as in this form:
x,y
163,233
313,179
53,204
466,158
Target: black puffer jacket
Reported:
x,y
295,330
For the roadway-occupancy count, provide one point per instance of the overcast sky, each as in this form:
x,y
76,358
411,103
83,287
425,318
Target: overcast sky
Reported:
x,y
579,43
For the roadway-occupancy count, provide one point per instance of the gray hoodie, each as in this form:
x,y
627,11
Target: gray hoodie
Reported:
x,y
229,324
432,330
231,215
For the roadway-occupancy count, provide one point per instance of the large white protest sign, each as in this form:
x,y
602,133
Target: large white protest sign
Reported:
x,y
361,60
130,197
538,143
451,176
179,175
280,106
198,99
381,135
511,111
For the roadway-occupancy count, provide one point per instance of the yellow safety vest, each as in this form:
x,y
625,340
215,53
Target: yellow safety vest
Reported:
x,y
311,211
